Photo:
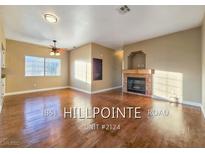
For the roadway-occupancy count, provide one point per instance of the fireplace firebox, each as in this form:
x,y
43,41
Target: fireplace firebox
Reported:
x,y
136,84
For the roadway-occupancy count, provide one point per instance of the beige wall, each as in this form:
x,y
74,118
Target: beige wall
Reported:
x,y
15,58
177,52
81,58
71,74
203,63
112,67
118,57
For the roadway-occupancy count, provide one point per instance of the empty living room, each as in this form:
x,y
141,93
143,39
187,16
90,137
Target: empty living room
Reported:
x,y
102,76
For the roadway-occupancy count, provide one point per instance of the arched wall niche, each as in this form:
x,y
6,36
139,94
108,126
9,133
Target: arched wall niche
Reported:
x,y
137,60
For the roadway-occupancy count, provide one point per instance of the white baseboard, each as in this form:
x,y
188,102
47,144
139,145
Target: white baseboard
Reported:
x,y
107,89
160,98
81,90
35,90
1,108
56,88
1,103
202,110
191,103
94,92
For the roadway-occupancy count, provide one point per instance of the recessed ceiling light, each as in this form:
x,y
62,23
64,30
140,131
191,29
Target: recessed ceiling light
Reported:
x,y
50,18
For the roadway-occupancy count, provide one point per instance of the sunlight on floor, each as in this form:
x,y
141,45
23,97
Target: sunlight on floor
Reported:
x,y
169,86
173,124
39,113
83,103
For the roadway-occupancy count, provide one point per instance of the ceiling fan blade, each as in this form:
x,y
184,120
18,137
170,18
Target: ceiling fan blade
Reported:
x,y
51,46
55,49
61,49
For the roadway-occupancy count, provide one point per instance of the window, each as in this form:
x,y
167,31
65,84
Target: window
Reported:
x,y
39,66
34,66
52,67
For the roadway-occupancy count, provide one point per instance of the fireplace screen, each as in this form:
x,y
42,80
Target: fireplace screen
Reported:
x,y
136,84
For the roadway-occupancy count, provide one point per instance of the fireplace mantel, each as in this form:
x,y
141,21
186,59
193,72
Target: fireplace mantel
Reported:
x,y
138,73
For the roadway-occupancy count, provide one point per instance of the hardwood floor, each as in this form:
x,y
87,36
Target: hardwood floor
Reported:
x,y
23,122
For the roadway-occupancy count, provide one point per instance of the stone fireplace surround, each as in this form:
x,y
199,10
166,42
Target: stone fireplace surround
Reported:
x,y
140,73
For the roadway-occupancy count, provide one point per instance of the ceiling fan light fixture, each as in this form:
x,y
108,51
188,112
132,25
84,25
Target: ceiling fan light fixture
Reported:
x,y
54,50
50,18
52,53
57,54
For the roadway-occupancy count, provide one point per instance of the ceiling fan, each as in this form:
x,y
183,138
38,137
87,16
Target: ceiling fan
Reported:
x,y
54,50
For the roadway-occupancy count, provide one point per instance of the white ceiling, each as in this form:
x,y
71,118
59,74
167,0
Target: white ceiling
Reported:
x,y
79,25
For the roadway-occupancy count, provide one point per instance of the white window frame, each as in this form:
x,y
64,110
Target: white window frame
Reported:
x,y
44,67
33,75
59,74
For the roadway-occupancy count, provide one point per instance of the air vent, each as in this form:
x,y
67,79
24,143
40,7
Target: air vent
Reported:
x,y
124,9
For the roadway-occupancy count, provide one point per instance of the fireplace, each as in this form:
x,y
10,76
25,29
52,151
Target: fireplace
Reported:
x,y
136,84
138,81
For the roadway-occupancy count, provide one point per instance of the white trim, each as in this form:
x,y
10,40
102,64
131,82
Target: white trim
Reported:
x,y
104,90
159,98
35,90
202,110
1,106
81,90
94,92
55,88
191,103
